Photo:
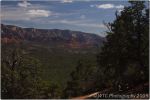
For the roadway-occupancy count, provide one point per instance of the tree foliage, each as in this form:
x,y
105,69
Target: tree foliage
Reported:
x,y
81,81
124,56
21,77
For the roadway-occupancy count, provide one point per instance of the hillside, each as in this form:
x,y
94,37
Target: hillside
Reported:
x,y
57,50
52,37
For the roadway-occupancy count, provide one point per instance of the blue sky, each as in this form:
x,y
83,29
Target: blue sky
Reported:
x,y
86,15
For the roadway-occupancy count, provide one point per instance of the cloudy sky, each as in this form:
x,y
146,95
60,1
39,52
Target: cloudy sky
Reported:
x,y
87,16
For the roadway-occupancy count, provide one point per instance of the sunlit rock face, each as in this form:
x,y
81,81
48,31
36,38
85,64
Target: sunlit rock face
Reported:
x,y
59,38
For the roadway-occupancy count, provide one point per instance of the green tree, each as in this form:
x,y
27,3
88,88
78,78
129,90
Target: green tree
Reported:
x,y
81,80
126,47
21,77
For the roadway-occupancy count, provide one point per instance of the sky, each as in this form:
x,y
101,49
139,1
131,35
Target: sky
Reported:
x,y
86,15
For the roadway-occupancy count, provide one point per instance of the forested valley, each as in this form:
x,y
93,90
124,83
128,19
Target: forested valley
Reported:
x,y
69,64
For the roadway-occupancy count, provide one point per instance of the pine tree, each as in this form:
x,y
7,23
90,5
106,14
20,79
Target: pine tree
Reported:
x,y
80,78
124,56
21,77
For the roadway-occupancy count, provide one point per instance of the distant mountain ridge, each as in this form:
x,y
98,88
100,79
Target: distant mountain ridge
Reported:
x,y
57,37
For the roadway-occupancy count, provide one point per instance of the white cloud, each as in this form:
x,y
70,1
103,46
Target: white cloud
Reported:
x,y
24,4
108,6
92,25
105,6
120,7
66,1
17,14
38,13
78,23
14,14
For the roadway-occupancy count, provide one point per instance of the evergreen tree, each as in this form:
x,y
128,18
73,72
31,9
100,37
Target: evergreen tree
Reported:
x,y
124,56
21,77
80,81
